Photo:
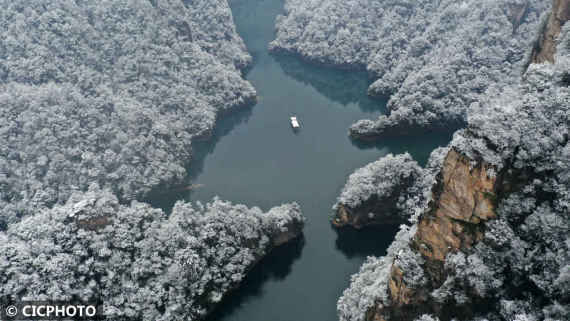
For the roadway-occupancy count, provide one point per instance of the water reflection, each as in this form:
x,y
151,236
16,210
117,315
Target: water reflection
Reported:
x,y
275,266
418,146
365,242
166,196
265,164
224,125
342,86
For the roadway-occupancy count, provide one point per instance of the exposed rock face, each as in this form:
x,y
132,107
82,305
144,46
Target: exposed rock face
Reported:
x,y
494,242
292,232
545,47
372,212
461,230
287,224
389,191
464,199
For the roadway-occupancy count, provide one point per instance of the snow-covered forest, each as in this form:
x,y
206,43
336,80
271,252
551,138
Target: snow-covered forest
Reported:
x,y
143,264
519,269
100,102
390,190
434,57
109,92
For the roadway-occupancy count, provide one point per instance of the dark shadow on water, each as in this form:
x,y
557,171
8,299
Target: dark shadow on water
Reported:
x,y
346,87
343,86
275,266
419,146
368,241
165,197
224,126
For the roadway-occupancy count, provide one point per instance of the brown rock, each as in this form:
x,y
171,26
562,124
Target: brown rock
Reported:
x,y
464,199
384,212
343,218
545,47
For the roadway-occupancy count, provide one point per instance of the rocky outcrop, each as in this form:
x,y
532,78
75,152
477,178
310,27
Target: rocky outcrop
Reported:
x,y
464,199
383,192
293,231
389,191
373,212
287,224
493,243
545,46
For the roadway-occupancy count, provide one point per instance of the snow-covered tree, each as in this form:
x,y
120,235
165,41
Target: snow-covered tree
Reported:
x,y
141,263
435,58
111,92
518,268
390,190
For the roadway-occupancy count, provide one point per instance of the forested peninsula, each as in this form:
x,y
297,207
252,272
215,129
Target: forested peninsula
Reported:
x,y
100,102
111,93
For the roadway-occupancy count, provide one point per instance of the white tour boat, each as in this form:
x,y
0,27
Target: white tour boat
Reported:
x,y
295,122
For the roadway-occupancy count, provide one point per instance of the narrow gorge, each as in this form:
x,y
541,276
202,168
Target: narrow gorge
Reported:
x,y
147,160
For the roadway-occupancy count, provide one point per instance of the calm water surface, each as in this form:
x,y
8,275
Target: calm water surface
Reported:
x,y
256,159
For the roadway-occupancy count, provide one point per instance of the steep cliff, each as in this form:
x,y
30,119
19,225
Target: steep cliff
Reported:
x,y
387,191
545,46
494,241
464,198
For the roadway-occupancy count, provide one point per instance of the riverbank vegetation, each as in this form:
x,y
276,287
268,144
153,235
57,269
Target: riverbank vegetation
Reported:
x,y
511,265
388,191
135,260
111,93
100,102
435,58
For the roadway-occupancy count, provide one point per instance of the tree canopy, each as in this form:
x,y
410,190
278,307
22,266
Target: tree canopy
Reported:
x,y
435,58
109,92
521,267
139,262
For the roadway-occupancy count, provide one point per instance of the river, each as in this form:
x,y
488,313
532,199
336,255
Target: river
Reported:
x,y
256,159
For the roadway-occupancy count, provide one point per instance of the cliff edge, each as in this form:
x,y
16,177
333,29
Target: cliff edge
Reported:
x,y
494,241
387,191
545,46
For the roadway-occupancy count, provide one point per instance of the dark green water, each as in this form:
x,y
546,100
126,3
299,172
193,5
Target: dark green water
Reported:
x,y
256,159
